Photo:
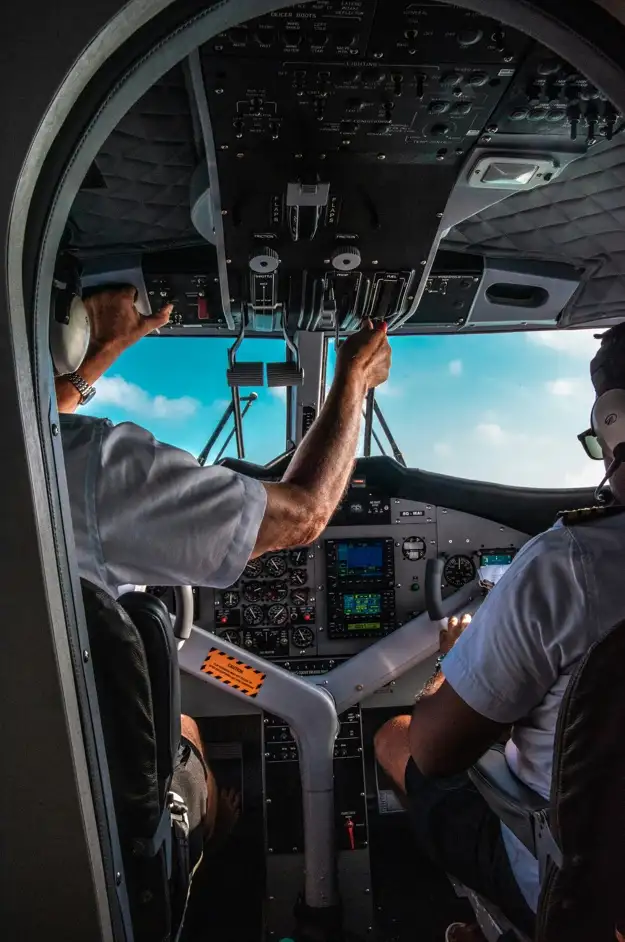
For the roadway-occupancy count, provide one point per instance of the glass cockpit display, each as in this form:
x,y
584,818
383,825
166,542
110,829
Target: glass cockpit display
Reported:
x,y
361,597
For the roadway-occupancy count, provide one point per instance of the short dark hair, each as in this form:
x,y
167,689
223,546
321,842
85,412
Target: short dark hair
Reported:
x,y
607,367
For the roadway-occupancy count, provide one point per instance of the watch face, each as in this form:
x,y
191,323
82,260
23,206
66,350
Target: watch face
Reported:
x,y
87,396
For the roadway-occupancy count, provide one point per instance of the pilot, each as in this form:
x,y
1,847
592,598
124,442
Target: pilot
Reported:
x,y
509,668
146,513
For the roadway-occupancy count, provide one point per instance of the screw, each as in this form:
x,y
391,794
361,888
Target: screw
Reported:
x,y
224,212
218,48
298,156
507,58
118,878
55,429
240,155
378,55
85,656
458,152
439,215
485,140
228,261
219,91
223,147
359,687
423,261
326,261
322,156
374,261
492,128
381,156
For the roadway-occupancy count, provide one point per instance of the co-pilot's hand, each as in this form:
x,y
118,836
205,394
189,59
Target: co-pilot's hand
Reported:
x,y
449,635
116,324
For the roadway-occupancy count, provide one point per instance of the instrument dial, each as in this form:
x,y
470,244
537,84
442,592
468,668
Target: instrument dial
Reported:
x,y
277,615
275,565
299,596
276,591
253,591
253,615
298,557
299,577
253,569
230,599
303,637
458,570
413,548
231,635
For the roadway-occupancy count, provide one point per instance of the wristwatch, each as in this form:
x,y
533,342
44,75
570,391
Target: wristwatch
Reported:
x,y
86,391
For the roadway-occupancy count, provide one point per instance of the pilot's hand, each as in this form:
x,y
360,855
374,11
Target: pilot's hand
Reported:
x,y
116,324
367,353
449,635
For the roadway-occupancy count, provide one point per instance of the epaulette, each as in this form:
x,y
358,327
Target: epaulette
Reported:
x,y
588,514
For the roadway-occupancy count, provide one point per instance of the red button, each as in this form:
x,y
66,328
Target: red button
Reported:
x,y
224,619
202,309
306,617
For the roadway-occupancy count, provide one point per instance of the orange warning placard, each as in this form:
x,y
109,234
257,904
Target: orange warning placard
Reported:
x,y
232,672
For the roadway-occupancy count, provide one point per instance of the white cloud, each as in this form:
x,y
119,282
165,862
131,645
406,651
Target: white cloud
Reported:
x,y
279,392
455,367
116,391
443,449
565,387
576,343
490,432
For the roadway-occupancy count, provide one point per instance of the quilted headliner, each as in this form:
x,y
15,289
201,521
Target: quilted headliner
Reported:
x,y
146,165
579,218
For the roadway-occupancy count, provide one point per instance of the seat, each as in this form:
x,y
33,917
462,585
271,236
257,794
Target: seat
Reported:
x,y
134,655
578,836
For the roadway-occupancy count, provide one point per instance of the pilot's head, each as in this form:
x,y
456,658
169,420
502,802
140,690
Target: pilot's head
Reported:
x,y
606,437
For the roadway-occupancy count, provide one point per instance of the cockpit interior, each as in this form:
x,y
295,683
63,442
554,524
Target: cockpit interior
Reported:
x,y
281,174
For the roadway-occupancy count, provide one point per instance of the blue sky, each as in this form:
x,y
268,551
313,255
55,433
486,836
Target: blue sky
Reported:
x,y
500,407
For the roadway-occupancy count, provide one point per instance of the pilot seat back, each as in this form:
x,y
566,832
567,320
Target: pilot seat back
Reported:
x,y
134,659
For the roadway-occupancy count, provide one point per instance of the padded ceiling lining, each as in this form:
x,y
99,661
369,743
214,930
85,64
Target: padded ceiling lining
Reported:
x,y
579,219
146,165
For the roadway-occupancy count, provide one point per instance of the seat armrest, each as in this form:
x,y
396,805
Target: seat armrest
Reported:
x,y
513,802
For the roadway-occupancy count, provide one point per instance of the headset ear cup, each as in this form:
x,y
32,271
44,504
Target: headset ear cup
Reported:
x,y
608,419
69,340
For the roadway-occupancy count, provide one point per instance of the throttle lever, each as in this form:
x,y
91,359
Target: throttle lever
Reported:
x,y
433,588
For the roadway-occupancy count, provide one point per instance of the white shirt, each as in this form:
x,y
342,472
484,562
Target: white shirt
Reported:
x,y
146,513
562,593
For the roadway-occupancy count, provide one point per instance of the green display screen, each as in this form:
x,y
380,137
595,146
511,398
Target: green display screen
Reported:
x,y
365,626
496,559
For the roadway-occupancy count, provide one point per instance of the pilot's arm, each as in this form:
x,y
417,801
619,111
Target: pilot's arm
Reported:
x,y
508,658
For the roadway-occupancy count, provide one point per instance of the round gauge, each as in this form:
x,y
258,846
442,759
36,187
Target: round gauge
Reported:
x,y
302,637
277,615
458,571
253,592
253,569
230,599
231,635
276,591
299,596
413,548
275,565
299,577
253,615
298,557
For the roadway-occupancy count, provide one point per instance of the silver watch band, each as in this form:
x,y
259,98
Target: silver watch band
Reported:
x,y
86,391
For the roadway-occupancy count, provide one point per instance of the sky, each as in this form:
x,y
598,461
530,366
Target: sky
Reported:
x,y
505,408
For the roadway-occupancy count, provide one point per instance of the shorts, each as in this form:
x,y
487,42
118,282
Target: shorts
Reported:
x,y
189,782
459,832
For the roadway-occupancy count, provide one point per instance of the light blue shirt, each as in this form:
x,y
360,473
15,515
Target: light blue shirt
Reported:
x,y
147,513
562,593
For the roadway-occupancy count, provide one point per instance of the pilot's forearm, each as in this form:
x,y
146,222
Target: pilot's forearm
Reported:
x,y
95,364
299,508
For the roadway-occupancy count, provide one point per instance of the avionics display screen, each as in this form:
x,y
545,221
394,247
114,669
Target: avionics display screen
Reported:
x,y
365,626
496,559
362,603
358,560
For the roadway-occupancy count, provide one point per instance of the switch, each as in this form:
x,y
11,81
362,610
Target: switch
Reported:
x,y
238,127
349,827
519,114
415,587
451,79
202,309
477,79
397,79
420,80
460,109
274,130
439,130
292,37
319,106
574,114
438,107
256,106
388,110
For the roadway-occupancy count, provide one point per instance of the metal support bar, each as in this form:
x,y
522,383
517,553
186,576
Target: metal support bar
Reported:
x,y
310,712
203,455
390,657
369,403
376,437
397,454
238,421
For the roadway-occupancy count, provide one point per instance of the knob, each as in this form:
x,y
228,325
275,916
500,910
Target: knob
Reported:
x,y
438,107
264,261
439,130
319,38
477,79
346,258
537,114
548,67
265,35
519,114
451,79
469,37
553,116
238,34
292,37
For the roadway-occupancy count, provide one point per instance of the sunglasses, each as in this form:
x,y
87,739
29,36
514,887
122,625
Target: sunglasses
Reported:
x,y
590,444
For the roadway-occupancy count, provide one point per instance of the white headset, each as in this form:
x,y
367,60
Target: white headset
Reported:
x,y
608,420
70,332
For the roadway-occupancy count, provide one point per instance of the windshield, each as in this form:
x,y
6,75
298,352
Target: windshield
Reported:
x,y
505,408
176,387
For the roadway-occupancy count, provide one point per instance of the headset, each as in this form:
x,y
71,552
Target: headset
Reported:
x,y
70,326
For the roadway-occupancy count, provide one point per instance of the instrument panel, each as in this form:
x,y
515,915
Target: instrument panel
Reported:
x,y
363,579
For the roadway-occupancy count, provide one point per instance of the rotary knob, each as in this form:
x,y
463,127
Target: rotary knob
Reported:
x,y
264,261
346,258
